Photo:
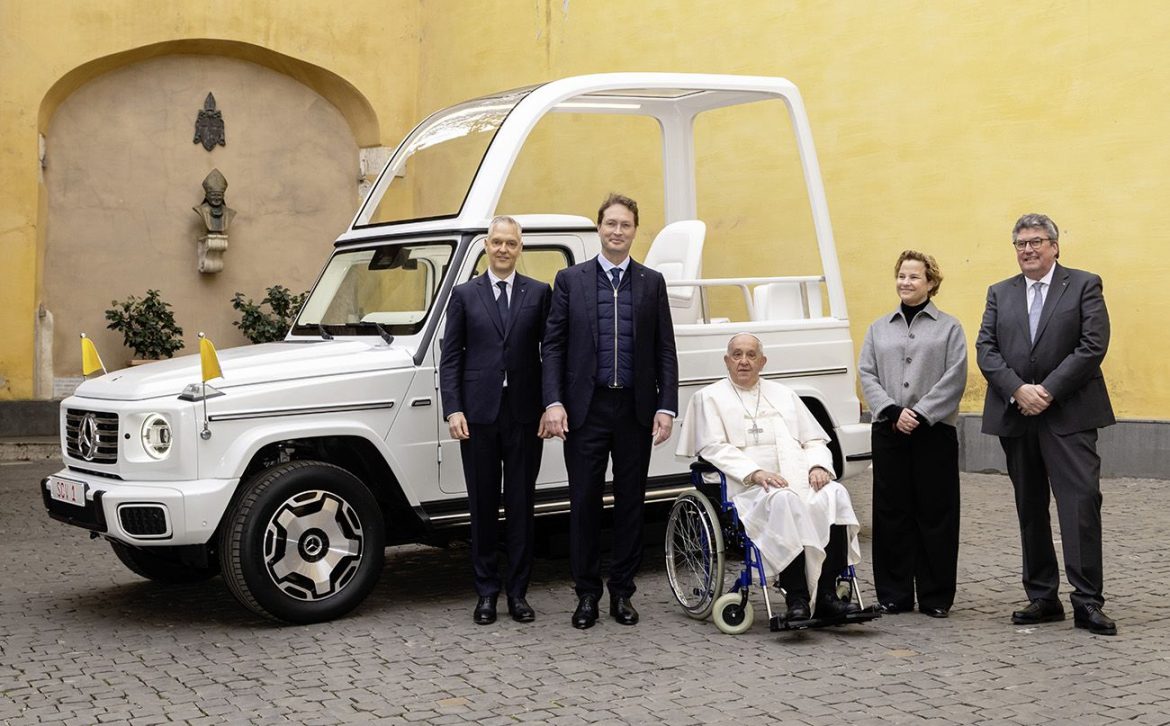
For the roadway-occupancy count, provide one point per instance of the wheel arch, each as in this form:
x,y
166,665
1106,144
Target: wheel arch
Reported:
x,y
357,455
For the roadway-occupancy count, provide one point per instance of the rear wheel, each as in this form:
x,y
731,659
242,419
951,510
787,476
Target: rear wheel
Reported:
x,y
304,543
694,554
161,564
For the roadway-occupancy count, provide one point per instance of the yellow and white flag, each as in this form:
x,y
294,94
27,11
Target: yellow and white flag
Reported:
x,y
209,359
90,360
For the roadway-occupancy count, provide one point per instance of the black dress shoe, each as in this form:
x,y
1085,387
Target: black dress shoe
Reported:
x,y
1039,611
935,612
1094,620
835,607
485,610
890,608
798,610
586,613
623,610
520,610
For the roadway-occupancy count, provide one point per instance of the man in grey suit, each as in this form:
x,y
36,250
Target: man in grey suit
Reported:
x,y
1043,337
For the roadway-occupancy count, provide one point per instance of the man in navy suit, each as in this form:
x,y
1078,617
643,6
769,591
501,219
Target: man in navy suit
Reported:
x,y
489,377
1044,335
611,390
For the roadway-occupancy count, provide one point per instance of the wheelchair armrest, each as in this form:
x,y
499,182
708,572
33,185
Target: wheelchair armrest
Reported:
x,y
716,491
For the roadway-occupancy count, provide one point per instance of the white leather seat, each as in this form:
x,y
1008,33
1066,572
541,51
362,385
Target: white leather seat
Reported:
x,y
677,253
782,301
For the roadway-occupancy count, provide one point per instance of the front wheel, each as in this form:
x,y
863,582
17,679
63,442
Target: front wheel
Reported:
x,y
162,565
732,614
304,543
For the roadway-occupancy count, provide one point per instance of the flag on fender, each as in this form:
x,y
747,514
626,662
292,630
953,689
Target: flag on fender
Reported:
x,y
90,360
208,359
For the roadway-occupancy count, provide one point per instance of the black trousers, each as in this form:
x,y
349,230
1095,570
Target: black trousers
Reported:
x,y
1069,465
794,580
610,430
515,448
915,515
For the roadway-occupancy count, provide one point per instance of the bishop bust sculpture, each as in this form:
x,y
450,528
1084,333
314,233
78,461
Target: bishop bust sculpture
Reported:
x,y
217,217
215,213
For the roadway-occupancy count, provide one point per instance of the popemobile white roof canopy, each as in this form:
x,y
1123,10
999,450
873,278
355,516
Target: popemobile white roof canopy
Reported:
x,y
674,99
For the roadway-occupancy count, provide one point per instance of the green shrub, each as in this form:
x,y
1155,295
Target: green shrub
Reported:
x,y
147,325
259,326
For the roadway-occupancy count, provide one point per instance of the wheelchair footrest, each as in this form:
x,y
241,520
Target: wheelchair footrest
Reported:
x,y
778,623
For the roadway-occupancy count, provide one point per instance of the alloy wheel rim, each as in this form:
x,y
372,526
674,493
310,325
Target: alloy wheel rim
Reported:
x,y
313,545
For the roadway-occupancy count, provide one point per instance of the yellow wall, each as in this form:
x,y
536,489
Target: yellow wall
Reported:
x,y
937,123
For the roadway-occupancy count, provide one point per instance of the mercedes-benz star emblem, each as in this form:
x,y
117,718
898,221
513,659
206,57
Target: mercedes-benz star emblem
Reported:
x,y
87,437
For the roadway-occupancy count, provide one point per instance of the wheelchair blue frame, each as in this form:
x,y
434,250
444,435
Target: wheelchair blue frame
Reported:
x,y
753,563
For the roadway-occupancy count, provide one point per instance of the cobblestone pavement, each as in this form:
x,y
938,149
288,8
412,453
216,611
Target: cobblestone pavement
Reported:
x,y
84,641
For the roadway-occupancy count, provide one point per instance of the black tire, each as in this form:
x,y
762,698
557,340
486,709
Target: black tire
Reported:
x,y
161,565
297,518
694,554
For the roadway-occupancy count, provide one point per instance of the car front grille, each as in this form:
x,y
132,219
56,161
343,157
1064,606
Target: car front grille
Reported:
x,y
91,435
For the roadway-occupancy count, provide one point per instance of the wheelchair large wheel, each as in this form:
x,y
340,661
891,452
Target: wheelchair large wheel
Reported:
x,y
694,554
733,614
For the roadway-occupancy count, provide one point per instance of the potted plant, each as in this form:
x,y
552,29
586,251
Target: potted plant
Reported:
x,y
260,326
147,326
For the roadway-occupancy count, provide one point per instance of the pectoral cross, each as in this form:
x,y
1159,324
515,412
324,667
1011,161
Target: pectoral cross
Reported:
x,y
755,431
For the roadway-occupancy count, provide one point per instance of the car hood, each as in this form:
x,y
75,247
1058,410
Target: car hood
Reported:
x,y
247,365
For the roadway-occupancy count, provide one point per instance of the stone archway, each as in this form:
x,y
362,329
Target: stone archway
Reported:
x,y
121,176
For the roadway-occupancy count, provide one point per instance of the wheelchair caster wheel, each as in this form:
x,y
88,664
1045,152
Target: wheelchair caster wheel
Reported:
x,y
732,615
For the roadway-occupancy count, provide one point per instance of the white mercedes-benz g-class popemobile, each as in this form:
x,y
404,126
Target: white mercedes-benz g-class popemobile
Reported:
x,y
292,473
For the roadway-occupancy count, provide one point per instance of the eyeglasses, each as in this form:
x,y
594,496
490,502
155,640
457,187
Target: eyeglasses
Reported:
x,y
1035,244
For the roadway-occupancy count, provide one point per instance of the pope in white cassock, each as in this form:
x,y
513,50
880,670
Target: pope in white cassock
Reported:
x,y
779,476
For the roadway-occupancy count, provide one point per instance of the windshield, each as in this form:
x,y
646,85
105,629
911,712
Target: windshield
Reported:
x,y
383,290
431,172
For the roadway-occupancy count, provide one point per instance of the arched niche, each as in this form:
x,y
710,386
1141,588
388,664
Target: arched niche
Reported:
x,y
122,174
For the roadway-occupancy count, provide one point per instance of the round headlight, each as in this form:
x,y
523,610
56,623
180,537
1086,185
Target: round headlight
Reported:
x,y
156,436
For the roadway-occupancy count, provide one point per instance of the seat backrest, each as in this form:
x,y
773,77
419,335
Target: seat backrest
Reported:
x,y
677,253
783,301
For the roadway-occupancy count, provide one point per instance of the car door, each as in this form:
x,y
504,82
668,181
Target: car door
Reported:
x,y
544,255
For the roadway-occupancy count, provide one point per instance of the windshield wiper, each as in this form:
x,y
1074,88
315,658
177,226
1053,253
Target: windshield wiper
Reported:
x,y
385,334
325,334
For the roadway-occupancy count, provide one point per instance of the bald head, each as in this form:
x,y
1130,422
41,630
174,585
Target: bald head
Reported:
x,y
745,340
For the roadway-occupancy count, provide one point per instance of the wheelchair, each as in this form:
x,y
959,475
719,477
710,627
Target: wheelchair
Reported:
x,y
696,534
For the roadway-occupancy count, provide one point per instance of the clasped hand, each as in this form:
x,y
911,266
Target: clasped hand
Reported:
x,y
1032,399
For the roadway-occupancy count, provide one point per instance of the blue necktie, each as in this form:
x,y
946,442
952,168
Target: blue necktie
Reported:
x,y
502,302
1034,311
616,272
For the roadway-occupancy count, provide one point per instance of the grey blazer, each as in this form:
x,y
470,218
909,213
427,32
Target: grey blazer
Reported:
x,y
1071,340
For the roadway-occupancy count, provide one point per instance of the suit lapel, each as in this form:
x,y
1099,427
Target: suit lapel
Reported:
x,y
1051,300
589,283
637,275
519,288
1018,305
484,291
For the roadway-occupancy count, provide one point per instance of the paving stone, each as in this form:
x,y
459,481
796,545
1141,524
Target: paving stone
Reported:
x,y
84,641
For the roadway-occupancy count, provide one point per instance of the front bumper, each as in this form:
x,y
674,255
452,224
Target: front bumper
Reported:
x,y
142,513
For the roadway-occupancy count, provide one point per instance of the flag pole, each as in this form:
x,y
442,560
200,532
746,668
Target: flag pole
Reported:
x,y
204,355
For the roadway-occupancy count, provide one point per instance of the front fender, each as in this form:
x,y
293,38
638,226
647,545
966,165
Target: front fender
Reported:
x,y
244,439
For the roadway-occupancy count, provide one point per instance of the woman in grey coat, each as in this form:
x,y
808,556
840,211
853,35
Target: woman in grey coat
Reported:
x,y
913,371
